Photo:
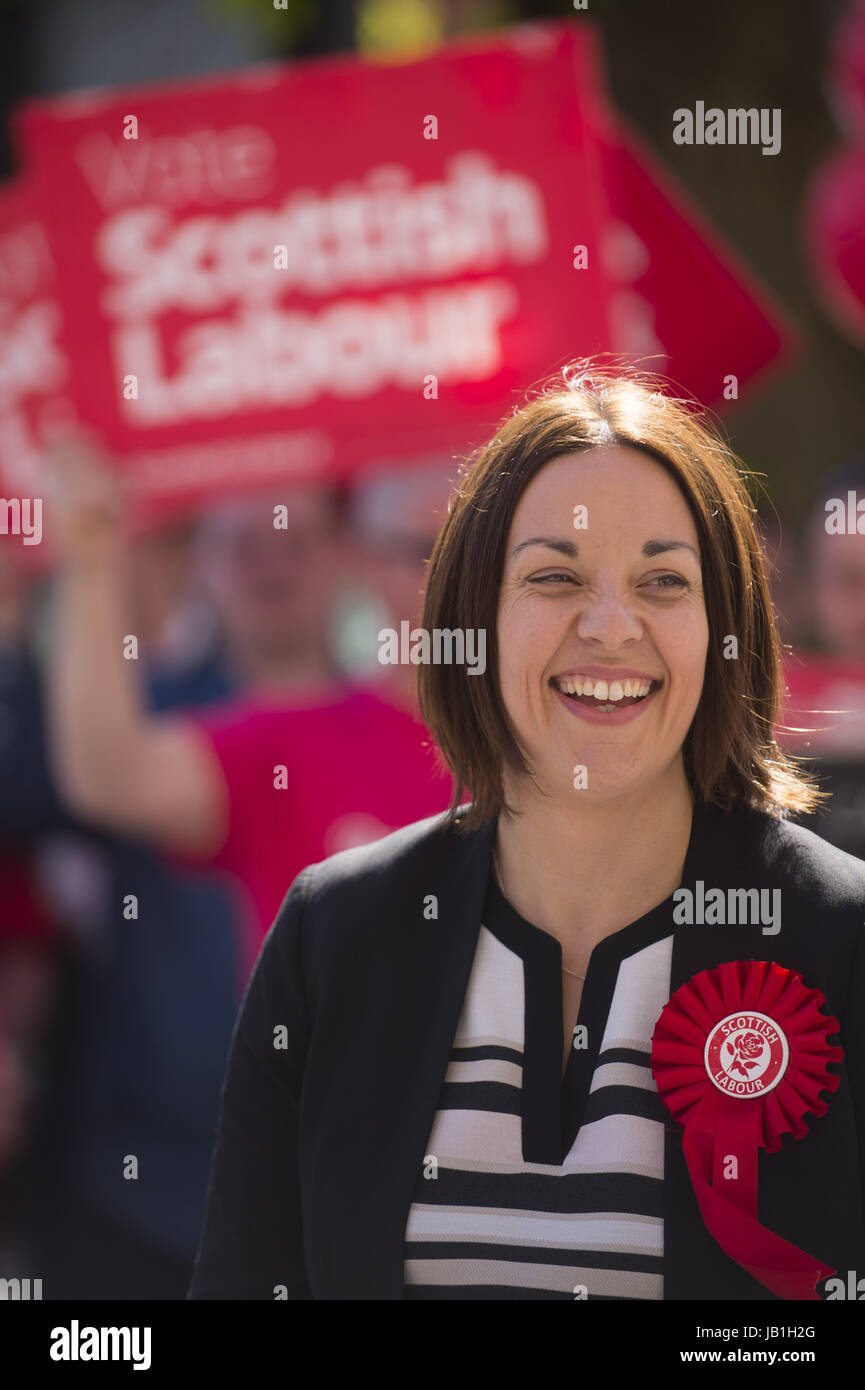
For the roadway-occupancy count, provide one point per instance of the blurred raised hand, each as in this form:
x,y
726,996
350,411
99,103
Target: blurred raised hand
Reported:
x,y
86,500
115,762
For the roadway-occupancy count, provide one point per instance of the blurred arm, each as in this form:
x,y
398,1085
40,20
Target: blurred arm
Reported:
x,y
115,762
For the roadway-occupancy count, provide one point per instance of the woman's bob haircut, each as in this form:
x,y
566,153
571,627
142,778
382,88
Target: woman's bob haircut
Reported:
x,y
730,753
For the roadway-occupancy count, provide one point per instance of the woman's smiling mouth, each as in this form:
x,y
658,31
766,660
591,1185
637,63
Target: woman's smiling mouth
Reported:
x,y
616,699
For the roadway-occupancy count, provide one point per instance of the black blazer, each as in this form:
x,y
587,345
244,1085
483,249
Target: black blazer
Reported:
x,y
322,1136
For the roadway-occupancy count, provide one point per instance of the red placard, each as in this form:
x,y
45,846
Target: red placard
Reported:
x,y
424,283
684,303
834,232
34,371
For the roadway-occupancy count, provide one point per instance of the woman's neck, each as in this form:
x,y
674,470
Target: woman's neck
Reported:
x,y
599,864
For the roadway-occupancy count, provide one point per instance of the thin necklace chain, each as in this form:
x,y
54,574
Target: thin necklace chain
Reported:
x,y
501,886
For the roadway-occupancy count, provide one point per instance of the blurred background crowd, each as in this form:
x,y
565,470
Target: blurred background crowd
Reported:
x,y
114,1029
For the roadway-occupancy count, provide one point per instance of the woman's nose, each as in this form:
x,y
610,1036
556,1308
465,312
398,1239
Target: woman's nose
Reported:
x,y
609,618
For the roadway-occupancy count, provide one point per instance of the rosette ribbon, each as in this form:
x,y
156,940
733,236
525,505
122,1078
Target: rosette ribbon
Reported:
x,y
739,1055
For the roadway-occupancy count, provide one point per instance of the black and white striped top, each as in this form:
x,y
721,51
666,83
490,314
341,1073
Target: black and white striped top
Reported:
x,y
534,1186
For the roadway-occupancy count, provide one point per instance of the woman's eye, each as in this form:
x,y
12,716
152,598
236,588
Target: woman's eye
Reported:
x,y
673,581
666,582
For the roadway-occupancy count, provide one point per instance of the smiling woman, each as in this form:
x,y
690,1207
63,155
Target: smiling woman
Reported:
x,y
482,1119
669,547
617,610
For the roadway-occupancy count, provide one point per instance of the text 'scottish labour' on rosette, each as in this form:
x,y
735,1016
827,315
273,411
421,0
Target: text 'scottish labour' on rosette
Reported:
x,y
740,1055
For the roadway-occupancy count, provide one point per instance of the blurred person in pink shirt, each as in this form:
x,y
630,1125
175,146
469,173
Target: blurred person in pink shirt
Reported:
x,y
302,764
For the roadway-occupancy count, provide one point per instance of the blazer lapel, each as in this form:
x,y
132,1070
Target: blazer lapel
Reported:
x,y
406,1005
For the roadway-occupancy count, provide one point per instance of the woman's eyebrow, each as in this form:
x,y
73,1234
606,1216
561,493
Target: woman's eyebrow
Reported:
x,y
658,547
551,542
564,547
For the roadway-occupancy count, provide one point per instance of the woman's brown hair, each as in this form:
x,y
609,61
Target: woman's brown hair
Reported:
x,y
730,752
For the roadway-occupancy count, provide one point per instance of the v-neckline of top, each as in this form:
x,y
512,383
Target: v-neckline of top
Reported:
x,y
553,1106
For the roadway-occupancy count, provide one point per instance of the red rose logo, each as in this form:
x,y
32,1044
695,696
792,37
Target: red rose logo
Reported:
x,y
745,1053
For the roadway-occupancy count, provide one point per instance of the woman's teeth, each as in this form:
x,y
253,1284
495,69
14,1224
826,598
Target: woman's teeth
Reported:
x,y
601,690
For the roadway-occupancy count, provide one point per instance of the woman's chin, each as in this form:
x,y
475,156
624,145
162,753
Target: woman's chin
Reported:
x,y
601,784
589,781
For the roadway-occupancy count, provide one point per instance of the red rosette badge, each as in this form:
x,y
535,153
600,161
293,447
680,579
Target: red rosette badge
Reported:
x,y
740,1055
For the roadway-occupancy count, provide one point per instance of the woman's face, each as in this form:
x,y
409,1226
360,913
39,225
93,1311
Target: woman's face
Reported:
x,y
620,600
